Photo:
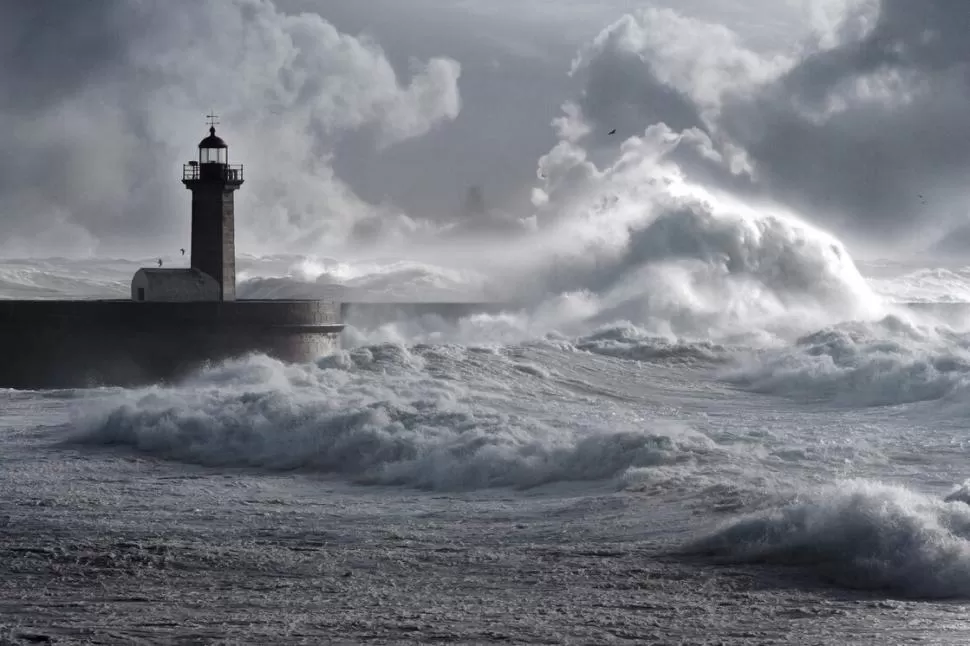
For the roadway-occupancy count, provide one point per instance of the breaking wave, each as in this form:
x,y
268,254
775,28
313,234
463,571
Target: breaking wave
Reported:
x,y
859,535
892,361
684,272
627,341
443,418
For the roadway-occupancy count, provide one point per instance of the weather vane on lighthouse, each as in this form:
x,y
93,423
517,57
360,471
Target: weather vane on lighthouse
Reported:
x,y
213,119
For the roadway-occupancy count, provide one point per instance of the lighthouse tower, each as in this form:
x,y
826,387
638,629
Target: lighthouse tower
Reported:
x,y
213,182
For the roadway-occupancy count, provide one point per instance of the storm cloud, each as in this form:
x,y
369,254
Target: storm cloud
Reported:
x,y
371,124
863,129
104,100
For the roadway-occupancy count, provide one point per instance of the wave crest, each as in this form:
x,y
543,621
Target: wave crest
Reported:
x,y
889,362
385,415
859,535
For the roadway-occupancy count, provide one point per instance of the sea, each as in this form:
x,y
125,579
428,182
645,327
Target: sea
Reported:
x,y
709,439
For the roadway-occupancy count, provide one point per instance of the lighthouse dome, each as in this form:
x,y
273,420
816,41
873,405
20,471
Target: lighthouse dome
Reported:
x,y
212,141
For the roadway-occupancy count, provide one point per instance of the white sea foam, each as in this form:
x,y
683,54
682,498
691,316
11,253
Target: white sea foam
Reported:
x,y
628,341
892,361
652,247
430,417
860,535
923,285
394,280
680,270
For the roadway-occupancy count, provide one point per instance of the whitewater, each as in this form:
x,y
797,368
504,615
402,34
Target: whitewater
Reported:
x,y
721,431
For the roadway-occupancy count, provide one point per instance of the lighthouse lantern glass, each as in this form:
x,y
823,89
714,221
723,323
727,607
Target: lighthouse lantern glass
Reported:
x,y
213,155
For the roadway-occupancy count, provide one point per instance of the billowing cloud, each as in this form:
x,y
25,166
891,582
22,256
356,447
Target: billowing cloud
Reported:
x,y
103,103
863,129
858,126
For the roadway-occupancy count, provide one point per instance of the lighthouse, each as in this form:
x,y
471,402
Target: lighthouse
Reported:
x,y
212,272
213,183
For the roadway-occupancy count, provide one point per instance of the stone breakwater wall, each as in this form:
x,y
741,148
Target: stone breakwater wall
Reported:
x,y
70,344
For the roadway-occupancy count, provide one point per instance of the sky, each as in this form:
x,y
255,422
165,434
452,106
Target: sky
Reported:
x,y
366,125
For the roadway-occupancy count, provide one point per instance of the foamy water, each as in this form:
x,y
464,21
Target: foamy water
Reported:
x,y
815,451
686,403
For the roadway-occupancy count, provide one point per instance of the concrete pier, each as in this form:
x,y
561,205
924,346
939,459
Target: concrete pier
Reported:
x,y
77,344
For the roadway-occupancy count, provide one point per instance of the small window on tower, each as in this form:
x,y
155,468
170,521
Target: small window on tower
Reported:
x,y
141,293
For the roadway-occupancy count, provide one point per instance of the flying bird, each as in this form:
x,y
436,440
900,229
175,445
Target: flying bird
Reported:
x,y
159,262
183,251
612,132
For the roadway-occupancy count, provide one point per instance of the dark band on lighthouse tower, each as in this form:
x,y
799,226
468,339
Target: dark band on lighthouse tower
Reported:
x,y
213,182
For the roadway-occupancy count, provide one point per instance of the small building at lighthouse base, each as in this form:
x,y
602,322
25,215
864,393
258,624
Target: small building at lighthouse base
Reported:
x,y
173,286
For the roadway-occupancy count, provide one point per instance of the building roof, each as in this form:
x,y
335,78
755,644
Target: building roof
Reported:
x,y
212,141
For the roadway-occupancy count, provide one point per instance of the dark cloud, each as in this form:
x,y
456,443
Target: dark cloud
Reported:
x,y
858,132
108,96
352,129
850,133
620,96
51,49
103,102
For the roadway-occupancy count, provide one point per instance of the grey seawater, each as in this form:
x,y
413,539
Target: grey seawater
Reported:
x,y
611,489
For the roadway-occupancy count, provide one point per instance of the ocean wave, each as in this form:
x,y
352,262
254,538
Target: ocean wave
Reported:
x,y
892,361
859,535
443,418
627,341
65,278
678,259
681,270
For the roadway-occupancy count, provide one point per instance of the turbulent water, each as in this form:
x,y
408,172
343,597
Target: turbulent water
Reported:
x,y
717,438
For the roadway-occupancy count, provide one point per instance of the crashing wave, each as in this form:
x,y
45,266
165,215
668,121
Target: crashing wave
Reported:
x,y
441,418
859,535
892,361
